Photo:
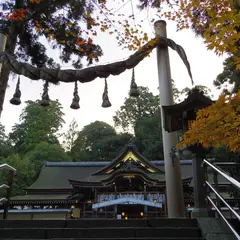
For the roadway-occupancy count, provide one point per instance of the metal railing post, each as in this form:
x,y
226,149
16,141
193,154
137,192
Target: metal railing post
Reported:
x,y
209,206
9,190
219,197
6,200
218,203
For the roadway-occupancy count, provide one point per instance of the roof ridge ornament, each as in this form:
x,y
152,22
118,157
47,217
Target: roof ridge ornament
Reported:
x,y
195,90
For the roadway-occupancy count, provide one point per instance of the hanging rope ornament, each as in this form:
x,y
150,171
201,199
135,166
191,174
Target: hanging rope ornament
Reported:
x,y
16,96
106,103
76,98
133,87
45,98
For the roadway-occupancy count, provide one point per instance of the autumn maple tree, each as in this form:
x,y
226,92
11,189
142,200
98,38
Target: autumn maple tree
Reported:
x,y
216,125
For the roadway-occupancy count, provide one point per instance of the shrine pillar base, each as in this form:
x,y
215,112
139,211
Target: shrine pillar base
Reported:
x,y
199,213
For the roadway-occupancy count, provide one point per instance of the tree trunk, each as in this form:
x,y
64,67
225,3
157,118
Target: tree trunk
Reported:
x,y
10,48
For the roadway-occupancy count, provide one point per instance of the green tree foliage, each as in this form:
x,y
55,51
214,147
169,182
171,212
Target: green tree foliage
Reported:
x,y
148,134
26,173
142,116
37,124
176,92
184,92
229,79
98,141
44,152
133,109
2,134
70,136
5,146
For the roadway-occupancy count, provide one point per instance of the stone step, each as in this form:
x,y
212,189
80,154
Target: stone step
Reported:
x,y
90,223
100,233
161,238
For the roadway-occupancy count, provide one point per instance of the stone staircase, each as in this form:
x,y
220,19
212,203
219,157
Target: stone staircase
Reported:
x,y
139,229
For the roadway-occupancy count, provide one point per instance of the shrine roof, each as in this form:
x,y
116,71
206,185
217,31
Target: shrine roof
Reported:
x,y
195,99
175,114
102,180
104,163
129,155
56,175
41,198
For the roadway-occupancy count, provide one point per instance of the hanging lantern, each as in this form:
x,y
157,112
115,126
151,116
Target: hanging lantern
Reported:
x,y
133,87
45,98
106,103
76,98
16,96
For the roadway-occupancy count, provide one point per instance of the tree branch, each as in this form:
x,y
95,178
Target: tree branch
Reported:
x,y
91,73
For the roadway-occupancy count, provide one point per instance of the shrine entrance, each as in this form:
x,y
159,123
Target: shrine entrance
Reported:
x,y
130,208
131,211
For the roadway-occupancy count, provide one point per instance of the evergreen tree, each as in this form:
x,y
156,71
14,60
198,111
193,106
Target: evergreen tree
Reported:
x,y
56,21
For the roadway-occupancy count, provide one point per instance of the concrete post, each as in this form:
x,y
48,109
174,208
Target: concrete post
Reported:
x,y
200,205
9,190
3,40
175,199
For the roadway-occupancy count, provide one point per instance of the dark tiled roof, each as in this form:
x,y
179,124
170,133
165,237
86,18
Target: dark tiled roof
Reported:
x,y
56,177
129,148
75,164
186,170
102,164
41,197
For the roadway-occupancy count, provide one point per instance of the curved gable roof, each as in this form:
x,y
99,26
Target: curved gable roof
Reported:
x,y
129,151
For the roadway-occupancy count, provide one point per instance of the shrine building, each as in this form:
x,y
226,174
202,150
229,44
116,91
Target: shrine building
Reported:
x,y
130,186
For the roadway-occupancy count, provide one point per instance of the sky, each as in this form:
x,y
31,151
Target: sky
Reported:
x,y
205,66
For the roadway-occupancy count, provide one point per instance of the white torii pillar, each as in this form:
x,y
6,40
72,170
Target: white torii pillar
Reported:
x,y
3,41
175,199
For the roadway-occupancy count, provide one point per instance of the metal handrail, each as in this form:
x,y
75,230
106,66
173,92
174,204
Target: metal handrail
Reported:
x,y
224,174
225,220
6,166
222,199
11,172
4,186
3,200
228,164
218,195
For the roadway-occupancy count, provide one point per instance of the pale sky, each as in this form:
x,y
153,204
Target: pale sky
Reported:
x,y
205,67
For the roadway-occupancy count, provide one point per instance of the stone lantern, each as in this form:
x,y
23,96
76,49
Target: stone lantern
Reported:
x,y
178,117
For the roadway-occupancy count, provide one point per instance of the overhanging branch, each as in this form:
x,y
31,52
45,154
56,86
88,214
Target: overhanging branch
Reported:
x,y
91,73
